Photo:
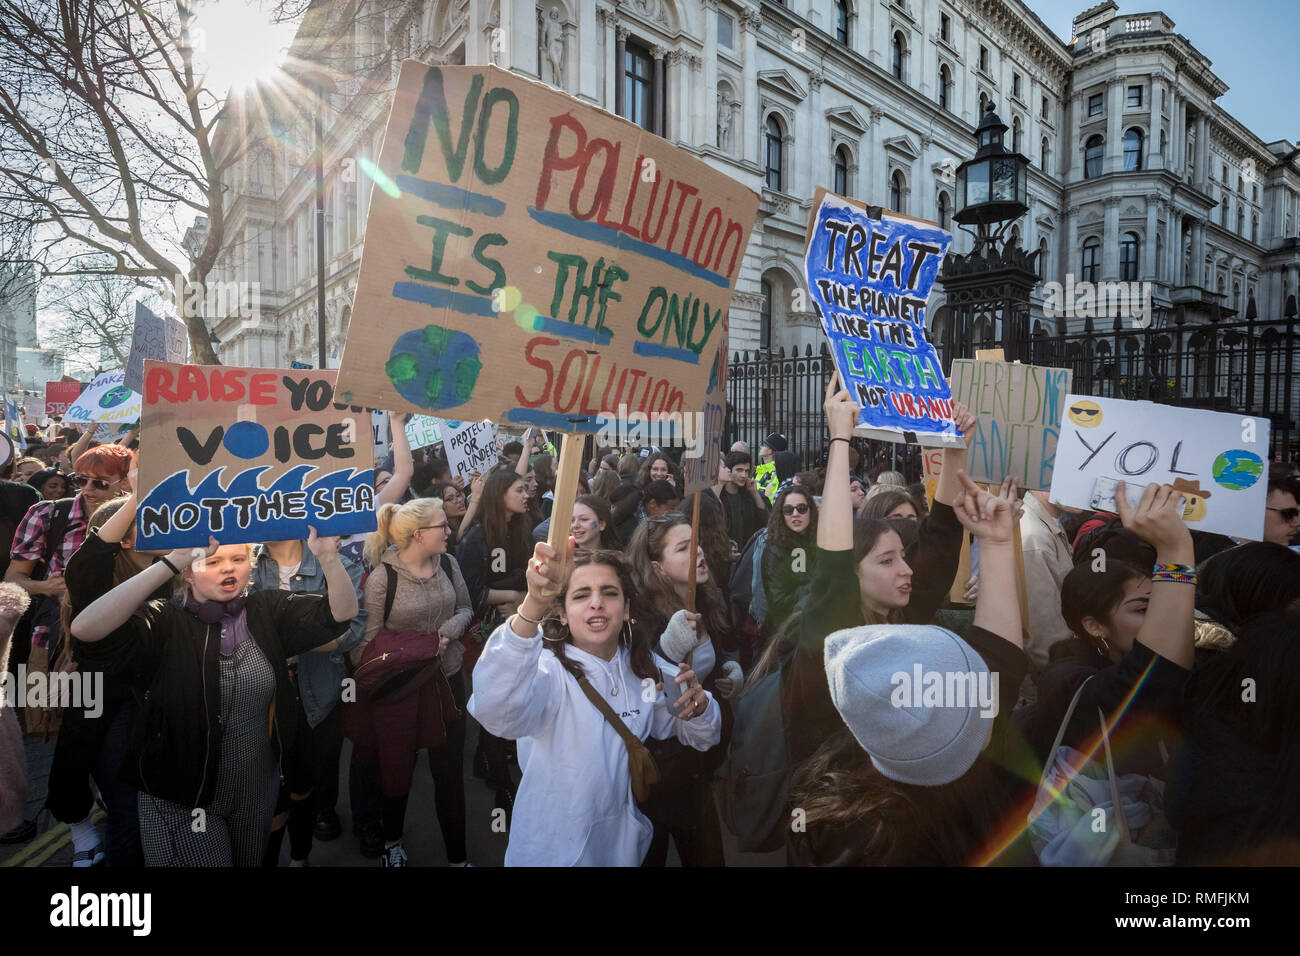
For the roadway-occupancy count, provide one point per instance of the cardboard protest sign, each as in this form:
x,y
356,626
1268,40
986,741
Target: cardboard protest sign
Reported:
x,y
106,399
154,337
472,447
1216,459
249,455
533,260
931,465
1018,412
423,430
869,278
60,395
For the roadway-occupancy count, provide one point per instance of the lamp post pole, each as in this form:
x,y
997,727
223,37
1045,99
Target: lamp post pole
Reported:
x,y
320,226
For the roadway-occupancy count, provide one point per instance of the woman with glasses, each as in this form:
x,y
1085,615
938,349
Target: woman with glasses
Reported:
x,y
789,555
455,504
429,599
661,557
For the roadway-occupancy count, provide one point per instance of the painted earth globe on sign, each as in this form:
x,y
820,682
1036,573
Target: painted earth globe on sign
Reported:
x,y
1237,469
434,367
115,396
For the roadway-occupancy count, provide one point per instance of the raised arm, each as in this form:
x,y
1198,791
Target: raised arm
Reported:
x,y
954,459
342,592
403,464
1168,627
82,445
521,466
106,614
835,522
476,495
997,609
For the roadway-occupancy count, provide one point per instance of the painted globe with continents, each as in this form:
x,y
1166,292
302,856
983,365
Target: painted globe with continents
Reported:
x,y
115,396
434,367
1237,469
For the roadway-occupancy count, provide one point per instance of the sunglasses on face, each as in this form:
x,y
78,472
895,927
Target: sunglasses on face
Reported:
x,y
99,484
1288,514
788,510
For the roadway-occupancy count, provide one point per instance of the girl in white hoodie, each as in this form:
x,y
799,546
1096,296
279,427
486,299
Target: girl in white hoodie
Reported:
x,y
575,805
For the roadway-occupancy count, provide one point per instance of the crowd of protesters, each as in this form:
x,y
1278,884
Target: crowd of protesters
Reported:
x,y
608,688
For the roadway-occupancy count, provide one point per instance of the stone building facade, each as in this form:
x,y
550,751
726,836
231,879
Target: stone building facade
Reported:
x,y
1135,171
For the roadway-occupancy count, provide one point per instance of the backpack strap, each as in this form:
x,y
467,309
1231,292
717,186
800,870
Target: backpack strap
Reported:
x,y
60,516
445,561
390,591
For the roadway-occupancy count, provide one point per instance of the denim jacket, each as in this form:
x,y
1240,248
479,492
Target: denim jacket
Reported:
x,y
320,674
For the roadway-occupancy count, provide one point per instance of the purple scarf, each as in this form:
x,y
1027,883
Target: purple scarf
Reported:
x,y
230,614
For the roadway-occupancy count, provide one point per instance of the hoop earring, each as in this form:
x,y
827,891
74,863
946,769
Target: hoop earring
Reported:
x,y
627,632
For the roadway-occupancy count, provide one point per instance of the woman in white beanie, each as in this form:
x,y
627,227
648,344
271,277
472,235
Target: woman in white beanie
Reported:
x,y
921,773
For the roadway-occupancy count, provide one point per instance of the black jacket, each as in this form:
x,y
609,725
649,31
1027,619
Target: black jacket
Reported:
x,y
171,658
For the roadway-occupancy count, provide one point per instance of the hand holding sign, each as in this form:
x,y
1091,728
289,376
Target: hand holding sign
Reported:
x,y
841,410
1157,519
322,547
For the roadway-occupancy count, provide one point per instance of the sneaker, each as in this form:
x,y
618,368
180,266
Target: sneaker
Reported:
x,y
394,856
328,826
371,839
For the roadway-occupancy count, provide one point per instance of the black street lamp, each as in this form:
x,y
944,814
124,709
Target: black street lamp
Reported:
x,y
988,289
992,187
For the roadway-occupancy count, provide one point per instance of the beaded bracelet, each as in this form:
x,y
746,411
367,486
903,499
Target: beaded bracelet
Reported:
x,y
1178,573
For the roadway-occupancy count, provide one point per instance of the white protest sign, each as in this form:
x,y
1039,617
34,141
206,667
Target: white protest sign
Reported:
x,y
471,447
1216,459
106,399
154,337
423,430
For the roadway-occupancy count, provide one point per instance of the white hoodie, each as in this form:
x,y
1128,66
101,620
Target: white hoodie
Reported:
x,y
575,805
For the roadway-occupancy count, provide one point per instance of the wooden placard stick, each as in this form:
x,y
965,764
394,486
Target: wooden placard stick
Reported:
x,y
566,489
690,575
1022,586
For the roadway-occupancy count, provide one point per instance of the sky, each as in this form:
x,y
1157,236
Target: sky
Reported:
x,y
1249,43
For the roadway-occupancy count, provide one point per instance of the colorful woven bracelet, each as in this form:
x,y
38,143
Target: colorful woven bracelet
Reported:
x,y
1179,573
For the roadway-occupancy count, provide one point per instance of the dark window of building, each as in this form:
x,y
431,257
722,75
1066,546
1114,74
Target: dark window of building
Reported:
x,y
945,80
899,50
943,210
945,27
1094,152
1094,104
842,21
1128,257
1134,97
984,58
1015,84
842,171
896,193
1091,249
1133,150
773,137
638,87
765,316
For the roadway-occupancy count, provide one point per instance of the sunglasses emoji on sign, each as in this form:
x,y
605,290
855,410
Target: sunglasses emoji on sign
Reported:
x,y
1085,414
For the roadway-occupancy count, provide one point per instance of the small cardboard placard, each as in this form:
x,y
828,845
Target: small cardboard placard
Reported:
x,y
1219,461
423,430
1017,411
472,448
59,396
106,399
154,337
531,259
248,455
869,279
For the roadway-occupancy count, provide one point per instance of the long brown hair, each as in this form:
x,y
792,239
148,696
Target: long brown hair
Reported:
x,y
501,527
558,636
890,822
659,595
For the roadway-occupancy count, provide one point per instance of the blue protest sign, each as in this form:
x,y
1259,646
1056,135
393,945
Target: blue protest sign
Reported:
x,y
869,278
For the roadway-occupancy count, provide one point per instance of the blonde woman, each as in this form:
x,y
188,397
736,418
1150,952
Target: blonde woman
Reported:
x,y
416,589
210,669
